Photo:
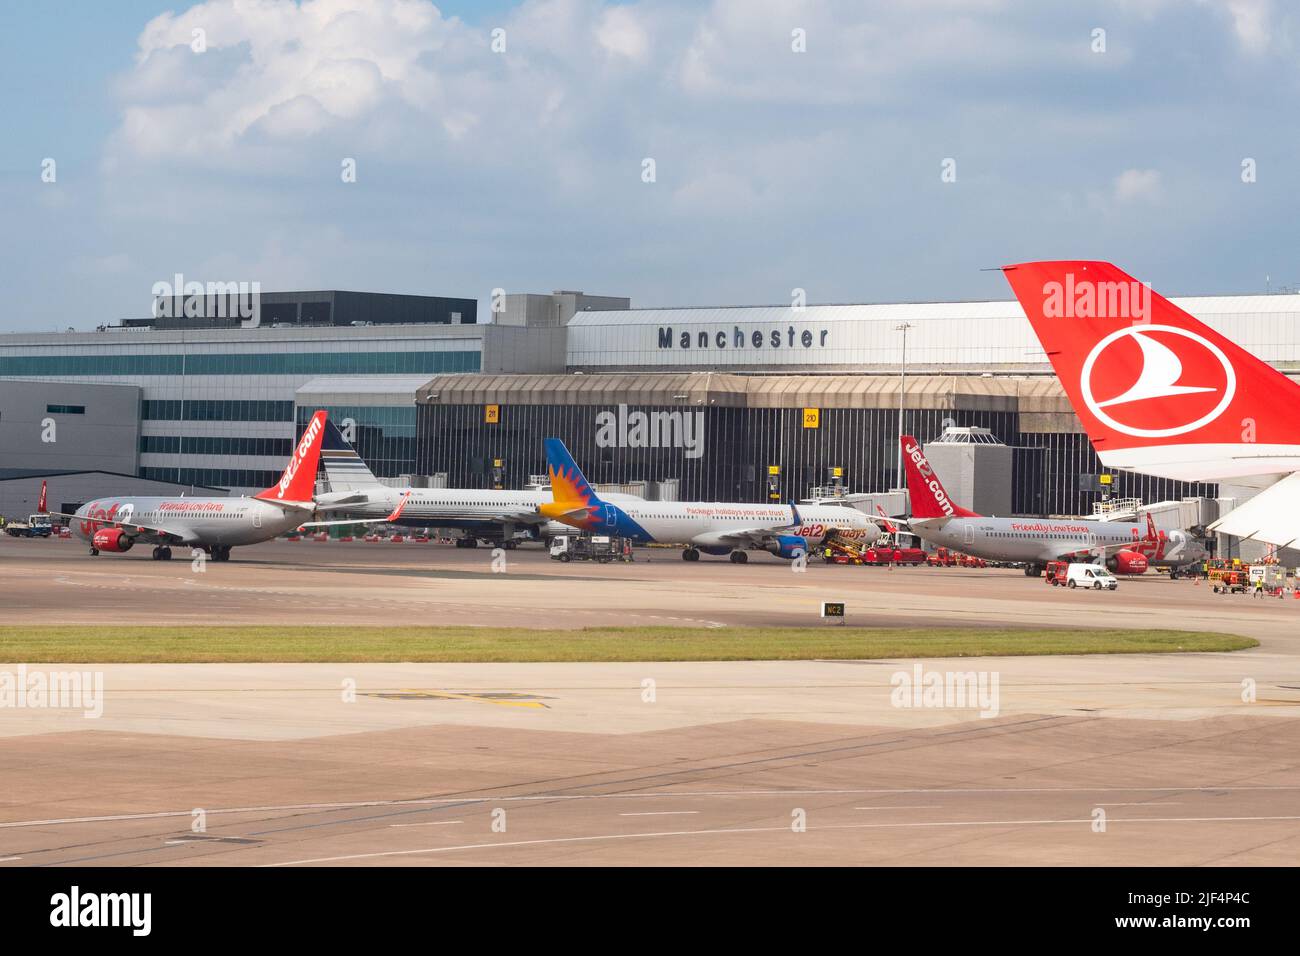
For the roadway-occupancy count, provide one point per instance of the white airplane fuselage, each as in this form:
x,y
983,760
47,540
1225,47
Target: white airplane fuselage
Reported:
x,y
201,522
1039,540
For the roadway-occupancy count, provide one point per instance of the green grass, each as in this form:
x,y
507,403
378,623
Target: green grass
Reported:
x,y
133,644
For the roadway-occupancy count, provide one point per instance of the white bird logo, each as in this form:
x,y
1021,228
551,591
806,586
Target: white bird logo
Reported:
x,y
1161,370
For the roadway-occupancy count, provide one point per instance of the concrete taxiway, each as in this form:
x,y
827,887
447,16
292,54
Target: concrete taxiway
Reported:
x,y
1136,759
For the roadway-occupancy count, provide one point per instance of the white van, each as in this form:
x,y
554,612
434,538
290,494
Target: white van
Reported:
x,y
1093,576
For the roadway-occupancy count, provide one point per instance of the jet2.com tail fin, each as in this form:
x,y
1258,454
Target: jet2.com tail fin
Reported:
x,y
297,486
343,467
924,489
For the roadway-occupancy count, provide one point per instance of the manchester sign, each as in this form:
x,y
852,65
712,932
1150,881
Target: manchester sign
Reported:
x,y
738,338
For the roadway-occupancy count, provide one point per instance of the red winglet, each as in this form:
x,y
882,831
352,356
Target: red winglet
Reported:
x,y
397,512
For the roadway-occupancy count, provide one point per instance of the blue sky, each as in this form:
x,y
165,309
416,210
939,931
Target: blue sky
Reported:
x,y
523,169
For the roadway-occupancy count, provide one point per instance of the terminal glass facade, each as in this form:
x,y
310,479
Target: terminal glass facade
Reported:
x,y
723,454
383,435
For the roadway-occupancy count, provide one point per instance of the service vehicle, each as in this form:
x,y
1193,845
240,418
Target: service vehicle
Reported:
x,y
36,526
1075,574
586,547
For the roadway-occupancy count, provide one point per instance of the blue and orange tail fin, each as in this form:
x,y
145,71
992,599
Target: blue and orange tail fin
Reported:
x,y
573,500
568,484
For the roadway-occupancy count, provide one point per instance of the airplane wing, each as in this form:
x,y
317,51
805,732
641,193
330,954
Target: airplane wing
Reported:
x,y
153,534
1272,516
756,535
394,517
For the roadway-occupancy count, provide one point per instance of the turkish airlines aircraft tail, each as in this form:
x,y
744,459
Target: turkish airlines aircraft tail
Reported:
x,y
297,486
1161,393
1157,390
924,489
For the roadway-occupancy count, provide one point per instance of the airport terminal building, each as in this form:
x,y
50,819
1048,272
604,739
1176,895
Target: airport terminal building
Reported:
x,y
743,403
749,403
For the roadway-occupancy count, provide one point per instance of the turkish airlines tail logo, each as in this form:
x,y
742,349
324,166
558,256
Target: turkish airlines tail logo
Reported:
x,y
1141,372
924,489
1161,370
298,483
40,505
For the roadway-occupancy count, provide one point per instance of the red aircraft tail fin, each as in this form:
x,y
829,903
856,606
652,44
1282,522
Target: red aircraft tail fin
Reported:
x,y
298,483
924,489
1156,389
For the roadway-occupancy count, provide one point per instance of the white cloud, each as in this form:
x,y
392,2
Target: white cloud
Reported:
x,y
621,32
821,165
1138,185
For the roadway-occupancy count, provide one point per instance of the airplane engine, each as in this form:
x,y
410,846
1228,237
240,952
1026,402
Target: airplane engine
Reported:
x,y
1128,562
789,546
110,539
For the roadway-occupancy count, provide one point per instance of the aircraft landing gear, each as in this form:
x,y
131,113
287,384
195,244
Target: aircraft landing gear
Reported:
x,y
162,553
690,554
220,552
739,557
94,551
1033,570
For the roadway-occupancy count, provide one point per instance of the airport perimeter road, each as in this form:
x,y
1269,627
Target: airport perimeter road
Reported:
x,y
1127,759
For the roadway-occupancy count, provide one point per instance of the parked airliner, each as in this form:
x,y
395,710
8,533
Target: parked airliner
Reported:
x,y
703,526
214,525
481,513
1126,547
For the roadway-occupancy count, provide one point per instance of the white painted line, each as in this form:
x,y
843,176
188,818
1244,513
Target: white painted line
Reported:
x,y
435,823
660,813
9,859
780,829
931,807
351,805
1158,806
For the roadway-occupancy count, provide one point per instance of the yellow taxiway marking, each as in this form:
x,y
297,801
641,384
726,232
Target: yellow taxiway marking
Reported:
x,y
482,700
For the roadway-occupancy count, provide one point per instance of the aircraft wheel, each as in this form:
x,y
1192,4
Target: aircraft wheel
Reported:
x,y
1032,571
690,554
94,552
166,554
157,553
739,557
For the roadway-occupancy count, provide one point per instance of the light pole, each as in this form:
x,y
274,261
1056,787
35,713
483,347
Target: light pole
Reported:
x,y
902,390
